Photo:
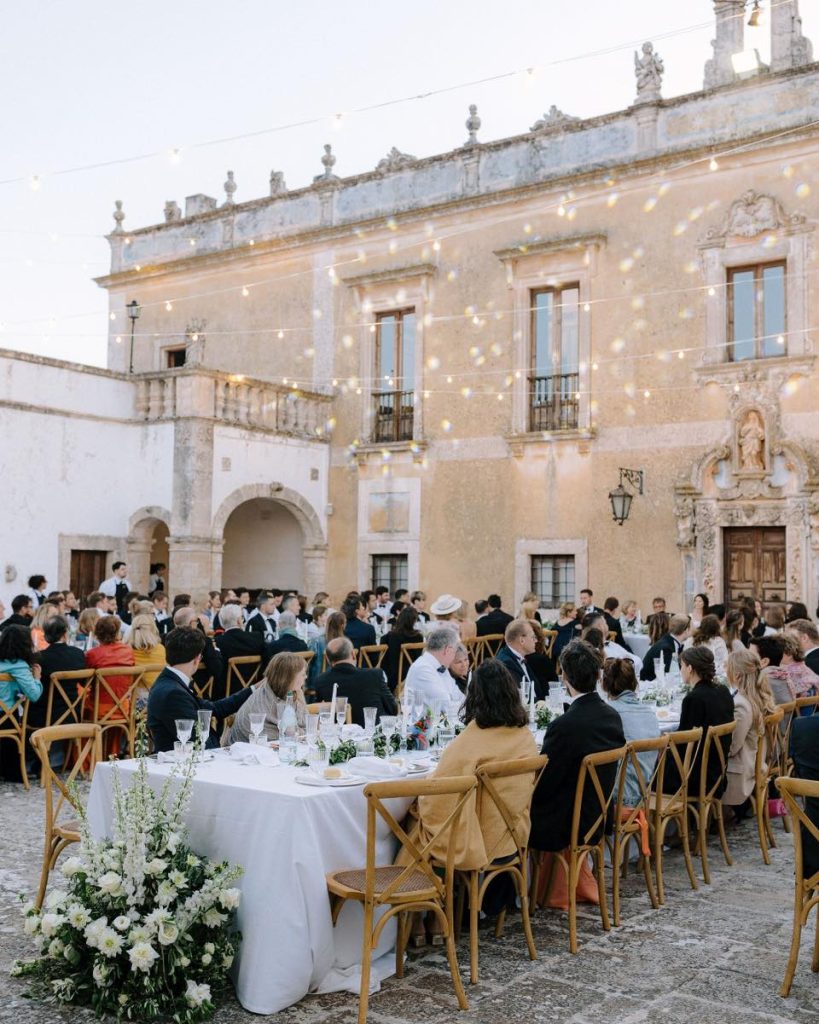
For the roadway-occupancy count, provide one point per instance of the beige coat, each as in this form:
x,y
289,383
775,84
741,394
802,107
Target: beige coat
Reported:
x,y
481,826
742,759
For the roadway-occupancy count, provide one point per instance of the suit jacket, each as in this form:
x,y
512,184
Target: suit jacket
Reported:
x,y
495,621
665,648
805,753
617,629
588,727
812,660
55,658
509,660
261,625
361,633
363,688
705,705
237,643
287,642
170,699
394,642
15,620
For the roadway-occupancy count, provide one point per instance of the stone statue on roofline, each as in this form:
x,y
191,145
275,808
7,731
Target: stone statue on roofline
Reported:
x,y
649,70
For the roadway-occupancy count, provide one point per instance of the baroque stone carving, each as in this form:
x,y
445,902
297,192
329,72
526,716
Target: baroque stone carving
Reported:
x,y
553,118
395,160
649,70
172,212
328,161
751,443
278,186
751,215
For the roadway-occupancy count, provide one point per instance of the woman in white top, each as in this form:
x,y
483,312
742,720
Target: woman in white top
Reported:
x,y
699,609
708,634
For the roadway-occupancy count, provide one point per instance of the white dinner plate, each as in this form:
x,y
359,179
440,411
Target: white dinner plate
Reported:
x,y
419,767
308,779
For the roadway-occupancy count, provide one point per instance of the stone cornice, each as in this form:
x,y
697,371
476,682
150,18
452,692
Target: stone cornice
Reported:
x,y
389,274
551,245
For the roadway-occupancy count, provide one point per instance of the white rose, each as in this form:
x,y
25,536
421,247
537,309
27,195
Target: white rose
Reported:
x,y
49,923
109,942
78,916
197,994
156,917
209,947
110,883
177,879
142,956
122,999
156,866
213,918
100,973
168,933
165,894
206,959
136,935
122,922
230,898
72,867
32,925
55,948
184,961
93,931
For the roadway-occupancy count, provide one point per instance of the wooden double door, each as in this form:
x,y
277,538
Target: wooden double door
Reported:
x,y
754,564
88,570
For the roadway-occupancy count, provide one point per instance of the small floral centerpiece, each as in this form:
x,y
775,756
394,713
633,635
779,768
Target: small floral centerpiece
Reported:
x,y
657,695
543,714
142,927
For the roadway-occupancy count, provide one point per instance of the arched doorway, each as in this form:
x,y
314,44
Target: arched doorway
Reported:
x,y
147,543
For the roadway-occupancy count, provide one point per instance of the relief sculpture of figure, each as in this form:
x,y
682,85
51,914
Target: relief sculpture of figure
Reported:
x,y
649,70
751,442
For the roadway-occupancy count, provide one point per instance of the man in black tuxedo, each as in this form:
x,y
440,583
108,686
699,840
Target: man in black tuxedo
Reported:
x,y
57,657
666,647
807,637
263,620
611,607
212,666
237,642
289,639
171,696
363,687
586,605
588,727
496,619
358,630
22,612
519,642
805,753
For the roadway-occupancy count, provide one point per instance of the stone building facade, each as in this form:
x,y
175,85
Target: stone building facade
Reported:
x,y
431,373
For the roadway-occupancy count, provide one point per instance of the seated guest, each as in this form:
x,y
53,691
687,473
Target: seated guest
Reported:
x,y
567,626
732,634
418,600
752,701
138,605
383,605
467,628
659,624
428,677
586,605
496,619
518,643
317,640
587,727
235,642
787,673
262,620
481,609
85,628
596,620
171,696
630,620
286,673
58,656
110,652
667,647
611,613
719,611
807,636
37,587
18,660
47,610
541,666
403,632
657,608
796,610
289,639
363,687
212,666
212,606
459,668
443,608
358,630
639,721
775,619
706,703
164,622
145,642
805,753
699,609
529,606
303,615
750,622
709,634
22,612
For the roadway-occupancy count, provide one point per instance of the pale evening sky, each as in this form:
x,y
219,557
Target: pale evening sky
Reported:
x,y
88,81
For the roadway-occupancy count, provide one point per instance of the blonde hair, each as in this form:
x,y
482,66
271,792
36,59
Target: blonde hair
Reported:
x,y
281,670
42,615
87,621
567,608
745,673
143,635
529,605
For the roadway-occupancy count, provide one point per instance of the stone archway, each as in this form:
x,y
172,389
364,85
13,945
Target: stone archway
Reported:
x,y
148,531
314,545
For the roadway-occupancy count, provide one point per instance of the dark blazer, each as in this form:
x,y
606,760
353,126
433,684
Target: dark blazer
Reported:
x,y
665,648
617,629
237,643
394,642
361,633
15,620
542,670
587,727
363,688
170,699
261,625
55,658
812,660
495,621
287,642
805,753
705,705
508,659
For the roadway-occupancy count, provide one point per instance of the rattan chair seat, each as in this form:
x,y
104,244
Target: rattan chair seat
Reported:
x,y
416,884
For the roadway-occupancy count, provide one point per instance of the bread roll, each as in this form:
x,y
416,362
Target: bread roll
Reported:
x,y
332,773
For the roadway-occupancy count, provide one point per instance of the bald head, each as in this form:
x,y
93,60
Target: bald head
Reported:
x,y
340,650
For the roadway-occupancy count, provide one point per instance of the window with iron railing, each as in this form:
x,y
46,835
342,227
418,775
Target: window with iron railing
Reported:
x,y
393,398
390,571
553,579
554,380
757,319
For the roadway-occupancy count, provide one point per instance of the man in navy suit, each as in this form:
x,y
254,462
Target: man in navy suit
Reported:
x,y
519,641
357,629
171,696
363,687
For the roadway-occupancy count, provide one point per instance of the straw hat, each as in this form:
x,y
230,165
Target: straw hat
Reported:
x,y
446,604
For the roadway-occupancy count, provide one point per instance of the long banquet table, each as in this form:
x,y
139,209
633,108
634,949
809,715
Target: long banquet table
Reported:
x,y
286,836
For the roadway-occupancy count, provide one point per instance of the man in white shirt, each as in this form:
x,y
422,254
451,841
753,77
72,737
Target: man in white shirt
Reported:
x,y
118,586
383,605
428,676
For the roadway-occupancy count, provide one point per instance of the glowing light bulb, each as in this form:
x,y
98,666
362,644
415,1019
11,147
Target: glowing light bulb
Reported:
x,y
112,316
280,334
245,291
34,182
713,165
712,291
169,305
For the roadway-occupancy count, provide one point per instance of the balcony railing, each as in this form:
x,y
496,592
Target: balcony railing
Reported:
x,y
393,414
554,402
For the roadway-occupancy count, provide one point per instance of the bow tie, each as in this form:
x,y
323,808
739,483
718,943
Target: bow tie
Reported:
x,y
441,669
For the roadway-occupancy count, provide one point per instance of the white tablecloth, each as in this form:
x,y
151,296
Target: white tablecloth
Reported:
x,y
286,836
638,644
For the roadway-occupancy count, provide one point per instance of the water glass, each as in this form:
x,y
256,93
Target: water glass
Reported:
x,y
311,724
318,758
370,715
256,726
446,734
341,710
288,749
184,728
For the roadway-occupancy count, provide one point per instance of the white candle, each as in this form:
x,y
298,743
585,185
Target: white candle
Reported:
x,y
531,701
333,702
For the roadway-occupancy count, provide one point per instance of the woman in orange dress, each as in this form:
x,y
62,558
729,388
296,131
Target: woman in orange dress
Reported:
x,y
110,652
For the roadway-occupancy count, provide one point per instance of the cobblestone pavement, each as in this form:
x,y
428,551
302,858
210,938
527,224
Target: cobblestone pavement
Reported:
x,y
715,955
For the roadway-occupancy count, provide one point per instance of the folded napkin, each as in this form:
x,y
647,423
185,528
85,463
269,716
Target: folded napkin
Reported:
x,y
172,757
351,732
253,753
374,768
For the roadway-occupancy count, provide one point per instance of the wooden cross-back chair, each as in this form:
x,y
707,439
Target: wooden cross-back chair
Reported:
x,y
66,695
490,645
806,888
788,711
117,712
631,820
406,656
371,655
204,691
590,840
705,804
403,888
13,724
767,767
60,794
476,881
664,807
236,679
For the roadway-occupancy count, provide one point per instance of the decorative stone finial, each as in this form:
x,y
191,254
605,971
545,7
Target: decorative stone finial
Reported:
x,y
554,118
473,124
329,162
230,188
119,216
649,70
172,211
278,186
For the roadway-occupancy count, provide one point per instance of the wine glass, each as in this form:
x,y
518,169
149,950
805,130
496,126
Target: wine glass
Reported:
x,y
328,728
256,725
341,710
203,716
184,728
370,715
388,727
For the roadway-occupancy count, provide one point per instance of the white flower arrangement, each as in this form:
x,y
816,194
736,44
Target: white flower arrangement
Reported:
x,y
143,929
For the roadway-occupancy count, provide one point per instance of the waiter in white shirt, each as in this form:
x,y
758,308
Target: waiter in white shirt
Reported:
x,y
428,676
118,586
